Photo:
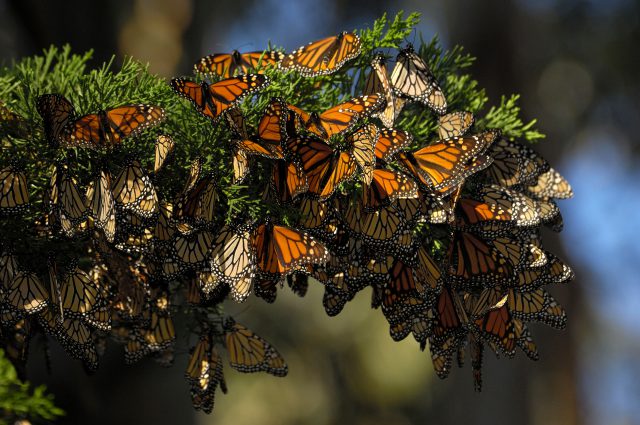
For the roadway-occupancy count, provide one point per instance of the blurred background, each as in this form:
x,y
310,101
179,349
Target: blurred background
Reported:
x,y
575,64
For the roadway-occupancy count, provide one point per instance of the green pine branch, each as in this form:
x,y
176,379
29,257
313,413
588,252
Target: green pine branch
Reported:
x,y
18,400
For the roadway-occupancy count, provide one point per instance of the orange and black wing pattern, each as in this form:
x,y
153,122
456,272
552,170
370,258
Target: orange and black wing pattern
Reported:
x,y
387,186
56,112
211,100
107,128
345,116
324,167
227,65
442,166
281,250
324,56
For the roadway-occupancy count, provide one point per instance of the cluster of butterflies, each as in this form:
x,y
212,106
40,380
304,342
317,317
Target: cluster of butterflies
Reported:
x,y
446,234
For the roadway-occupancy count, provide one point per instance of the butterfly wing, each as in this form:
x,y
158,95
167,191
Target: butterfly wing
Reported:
x,y
387,186
411,77
324,56
454,124
56,111
212,100
363,151
14,194
249,352
343,117
164,147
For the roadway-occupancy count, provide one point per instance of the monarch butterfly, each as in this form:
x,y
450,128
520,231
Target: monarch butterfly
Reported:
x,y
472,261
26,294
228,64
233,261
550,184
192,249
524,340
363,142
248,352
56,112
378,82
514,164
272,124
387,186
164,147
454,124
324,56
105,128
496,204
198,203
14,193
442,166
343,117
496,326
411,77
211,100
101,205
390,142
281,250
133,191
378,227
264,147
324,167
316,217
204,373
288,181
67,206
74,335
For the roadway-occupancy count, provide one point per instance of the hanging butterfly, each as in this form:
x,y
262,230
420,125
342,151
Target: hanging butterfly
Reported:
x,y
66,204
412,77
288,181
323,57
204,373
163,149
227,65
281,250
14,191
550,184
212,100
233,260
378,82
514,164
101,205
248,352
133,191
454,124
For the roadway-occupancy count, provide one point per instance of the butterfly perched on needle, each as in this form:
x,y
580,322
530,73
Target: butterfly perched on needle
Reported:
x,y
378,82
211,100
323,57
411,77
228,64
103,129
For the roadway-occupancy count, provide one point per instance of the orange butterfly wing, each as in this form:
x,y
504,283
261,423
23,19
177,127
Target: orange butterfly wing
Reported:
x,y
212,100
324,56
387,186
343,117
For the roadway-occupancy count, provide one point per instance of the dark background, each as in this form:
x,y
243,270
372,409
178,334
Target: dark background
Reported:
x,y
575,64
